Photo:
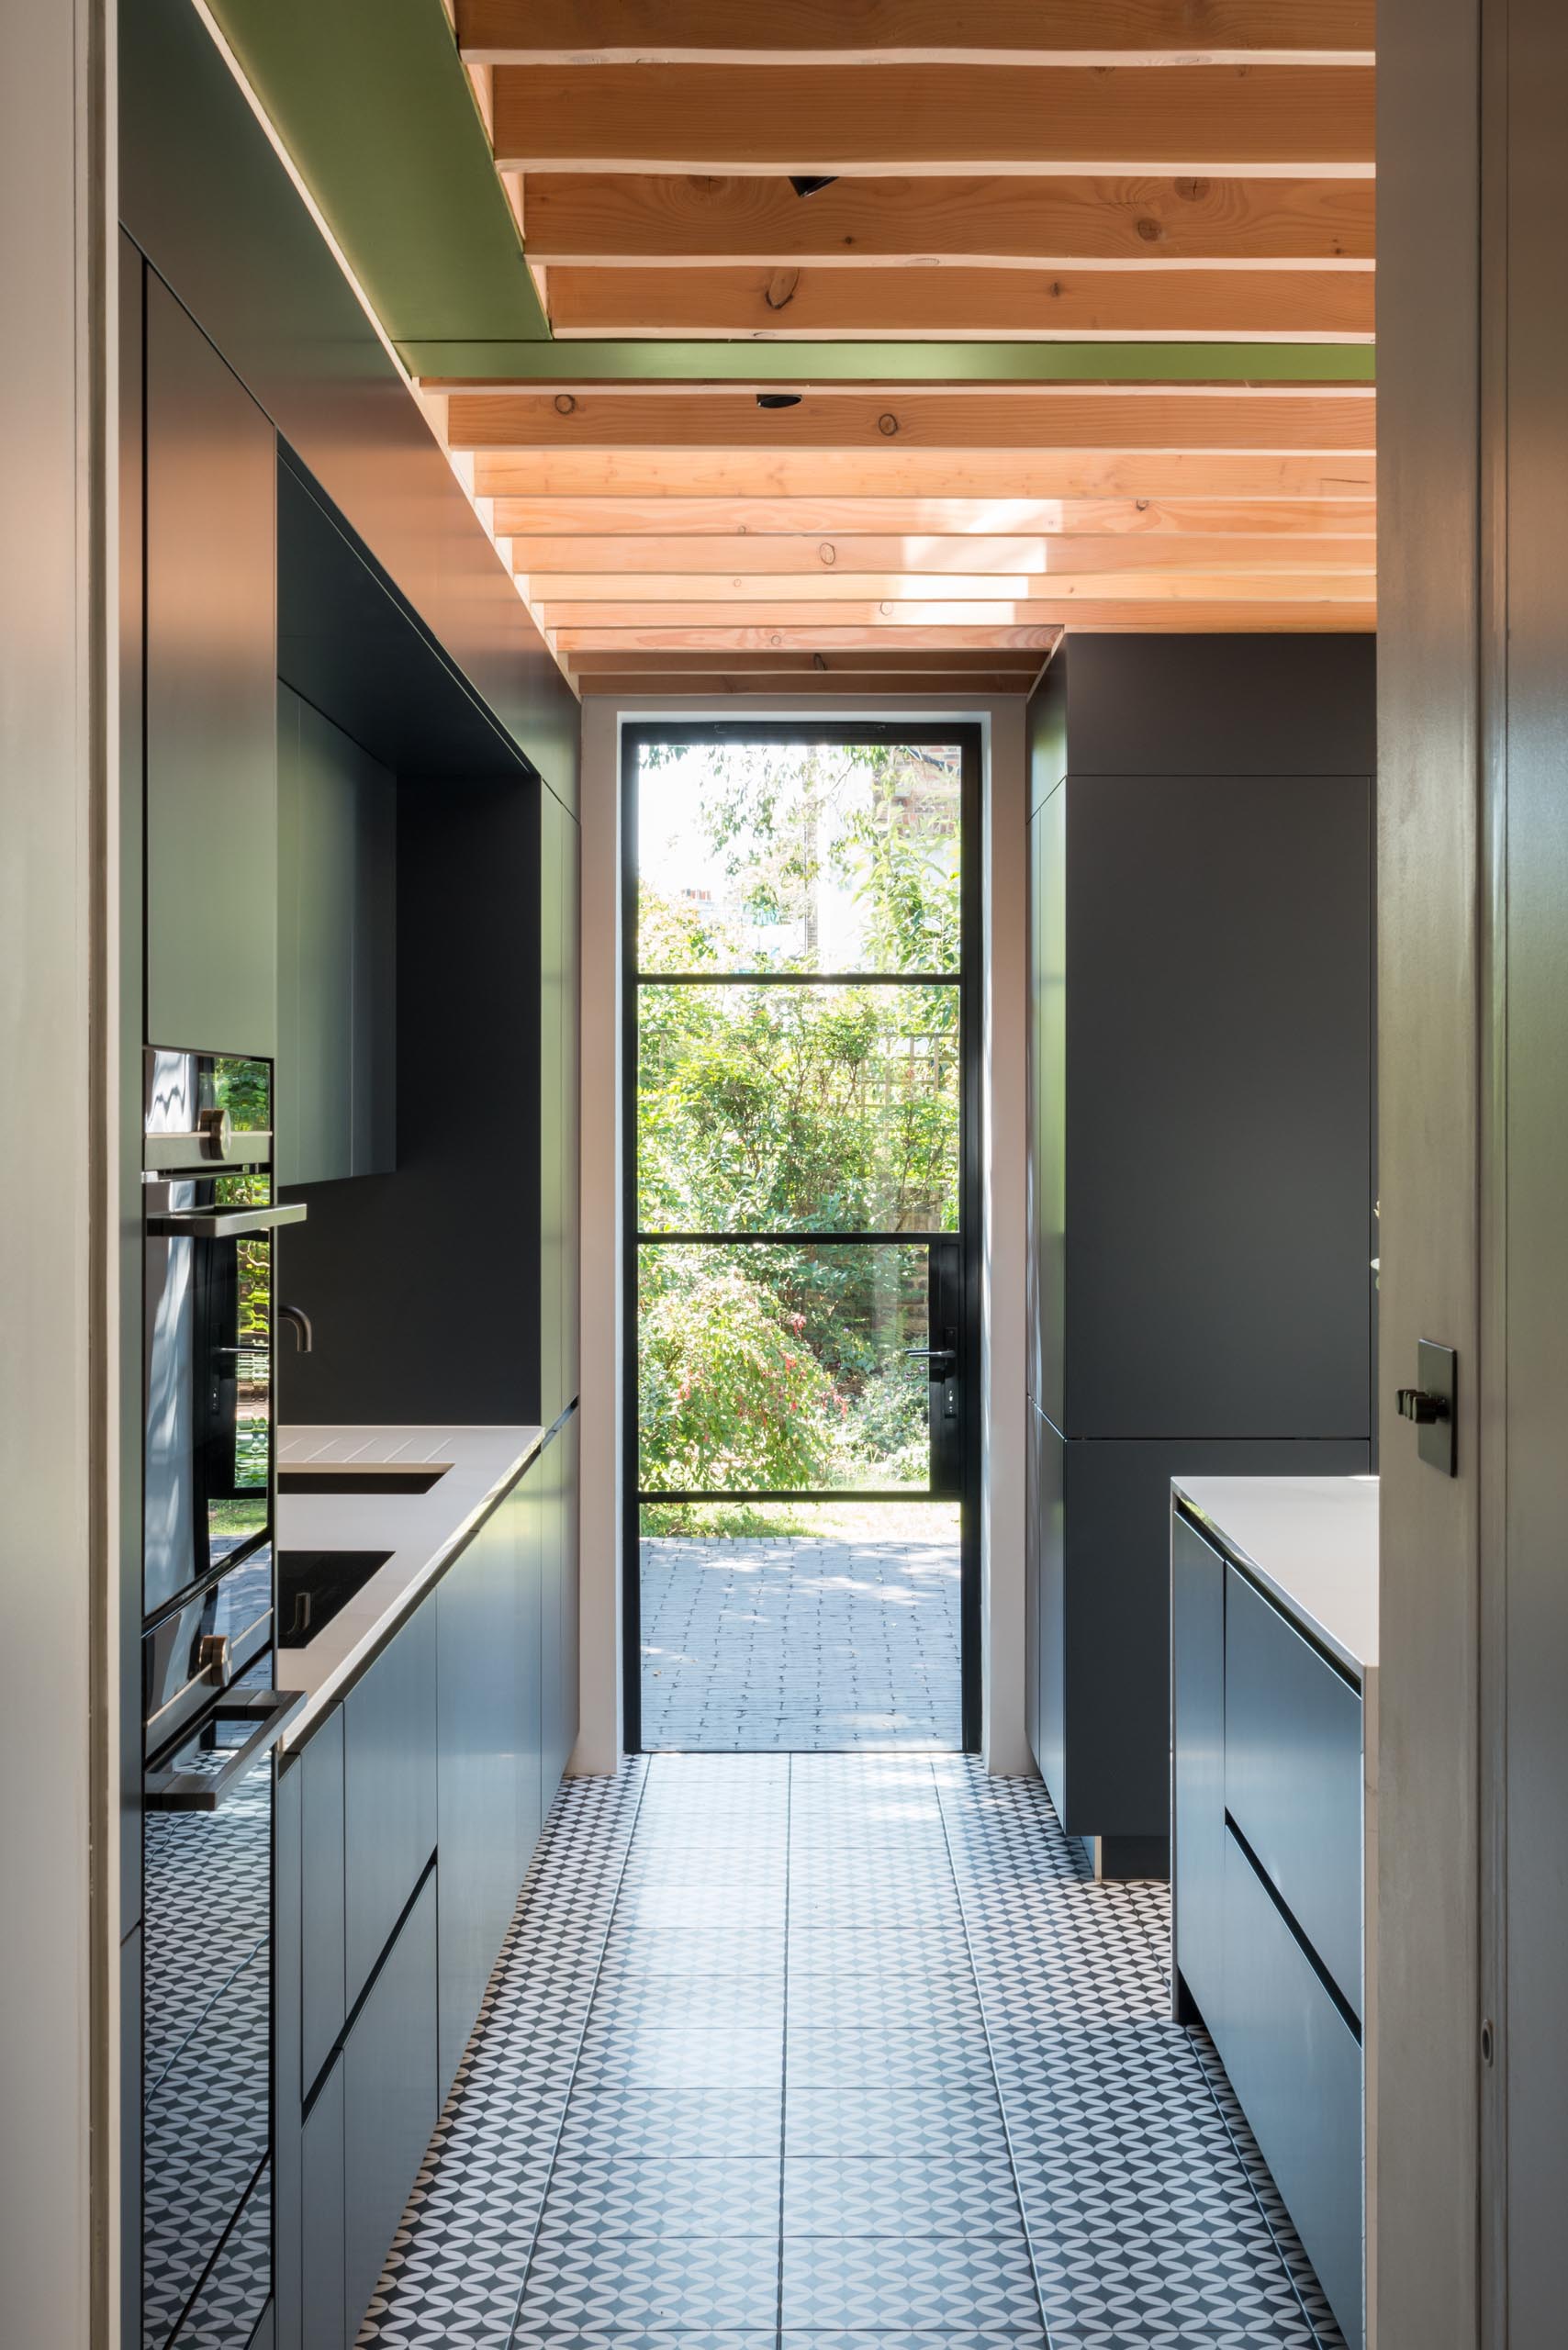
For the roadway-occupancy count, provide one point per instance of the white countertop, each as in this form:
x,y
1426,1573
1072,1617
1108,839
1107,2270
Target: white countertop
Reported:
x,y
1310,1540
422,1530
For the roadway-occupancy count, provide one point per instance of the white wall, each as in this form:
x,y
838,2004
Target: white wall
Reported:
x,y
56,709
1005,1741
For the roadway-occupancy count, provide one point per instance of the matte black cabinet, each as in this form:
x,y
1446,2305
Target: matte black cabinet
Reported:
x,y
405,1826
337,934
1268,1776
1201,1160
210,696
390,2100
389,1791
489,1775
558,1495
559,860
1198,1767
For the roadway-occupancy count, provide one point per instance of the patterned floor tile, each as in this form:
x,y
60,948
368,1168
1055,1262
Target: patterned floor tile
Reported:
x,y
943,2106
939,2119
827,2196
699,2197
876,2282
579,2283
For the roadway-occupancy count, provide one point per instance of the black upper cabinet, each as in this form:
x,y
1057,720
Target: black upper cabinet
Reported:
x,y
559,856
211,775
337,985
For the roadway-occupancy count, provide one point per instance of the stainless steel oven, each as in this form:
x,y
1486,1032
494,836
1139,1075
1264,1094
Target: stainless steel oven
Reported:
x,y
212,1711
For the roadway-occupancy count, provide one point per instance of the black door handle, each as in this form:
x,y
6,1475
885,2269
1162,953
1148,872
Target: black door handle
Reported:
x,y
935,1354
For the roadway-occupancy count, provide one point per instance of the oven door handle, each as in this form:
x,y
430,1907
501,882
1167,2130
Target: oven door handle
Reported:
x,y
272,1710
223,1224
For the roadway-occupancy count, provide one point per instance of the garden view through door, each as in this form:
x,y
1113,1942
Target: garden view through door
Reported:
x,y
802,1183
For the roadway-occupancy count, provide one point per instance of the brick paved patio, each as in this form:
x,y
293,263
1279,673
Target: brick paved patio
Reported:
x,y
791,1643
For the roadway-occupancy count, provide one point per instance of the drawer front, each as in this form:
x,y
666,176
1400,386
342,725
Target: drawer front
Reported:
x,y
390,2101
389,1791
1296,2065
1197,1776
321,1897
1292,1776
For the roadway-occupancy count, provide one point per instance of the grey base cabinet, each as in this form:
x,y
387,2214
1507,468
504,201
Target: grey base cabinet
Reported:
x,y
1101,1569
489,1777
559,1552
390,2100
405,1826
1296,2065
1267,1779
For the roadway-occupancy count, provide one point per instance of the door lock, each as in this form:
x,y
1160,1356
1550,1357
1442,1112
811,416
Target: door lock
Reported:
x,y
1430,1406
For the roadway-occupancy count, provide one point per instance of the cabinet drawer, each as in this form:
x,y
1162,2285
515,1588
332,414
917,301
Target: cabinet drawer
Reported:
x,y
390,2100
321,2007
1197,1772
1292,1776
324,2316
389,1791
1296,2065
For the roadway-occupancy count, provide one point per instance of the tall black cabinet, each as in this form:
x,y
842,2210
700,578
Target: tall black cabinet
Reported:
x,y
1202,1175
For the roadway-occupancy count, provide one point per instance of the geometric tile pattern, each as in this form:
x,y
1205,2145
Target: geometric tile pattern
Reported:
x,y
206,2038
788,1644
837,2052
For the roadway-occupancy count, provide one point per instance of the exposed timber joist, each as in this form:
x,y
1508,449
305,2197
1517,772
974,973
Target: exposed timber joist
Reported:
x,y
881,658
845,32
816,637
964,521
1175,121
1023,418
934,677
1317,306
827,562
622,220
1053,604
1057,472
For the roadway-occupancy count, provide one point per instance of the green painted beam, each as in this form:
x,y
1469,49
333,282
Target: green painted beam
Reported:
x,y
371,100
892,362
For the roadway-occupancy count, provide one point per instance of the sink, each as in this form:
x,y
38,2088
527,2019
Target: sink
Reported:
x,y
376,1477
313,1585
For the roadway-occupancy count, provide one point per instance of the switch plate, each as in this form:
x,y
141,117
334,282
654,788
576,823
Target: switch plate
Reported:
x,y
1437,1372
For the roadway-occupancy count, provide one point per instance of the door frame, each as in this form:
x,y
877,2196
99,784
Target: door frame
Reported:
x,y
968,734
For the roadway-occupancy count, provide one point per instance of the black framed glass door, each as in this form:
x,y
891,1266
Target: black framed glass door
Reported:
x,y
801,1041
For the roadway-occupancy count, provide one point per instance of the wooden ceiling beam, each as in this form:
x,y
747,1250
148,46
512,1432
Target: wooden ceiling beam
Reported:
x,y
620,220
1026,420
1051,606
882,657
1166,121
562,519
934,676
1060,473
764,302
814,637
827,562
1003,33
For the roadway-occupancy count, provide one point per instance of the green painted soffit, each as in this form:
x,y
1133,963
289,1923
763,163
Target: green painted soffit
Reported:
x,y
900,363
371,100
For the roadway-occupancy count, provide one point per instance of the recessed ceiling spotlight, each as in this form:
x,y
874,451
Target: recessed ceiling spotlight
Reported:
x,y
809,186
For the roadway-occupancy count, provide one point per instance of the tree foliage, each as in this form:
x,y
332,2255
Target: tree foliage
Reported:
x,y
797,1109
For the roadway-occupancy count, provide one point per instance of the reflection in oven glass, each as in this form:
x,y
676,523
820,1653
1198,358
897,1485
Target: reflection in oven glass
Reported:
x,y
206,2035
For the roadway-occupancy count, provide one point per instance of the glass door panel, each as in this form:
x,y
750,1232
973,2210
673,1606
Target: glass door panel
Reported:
x,y
803,1053
828,1109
